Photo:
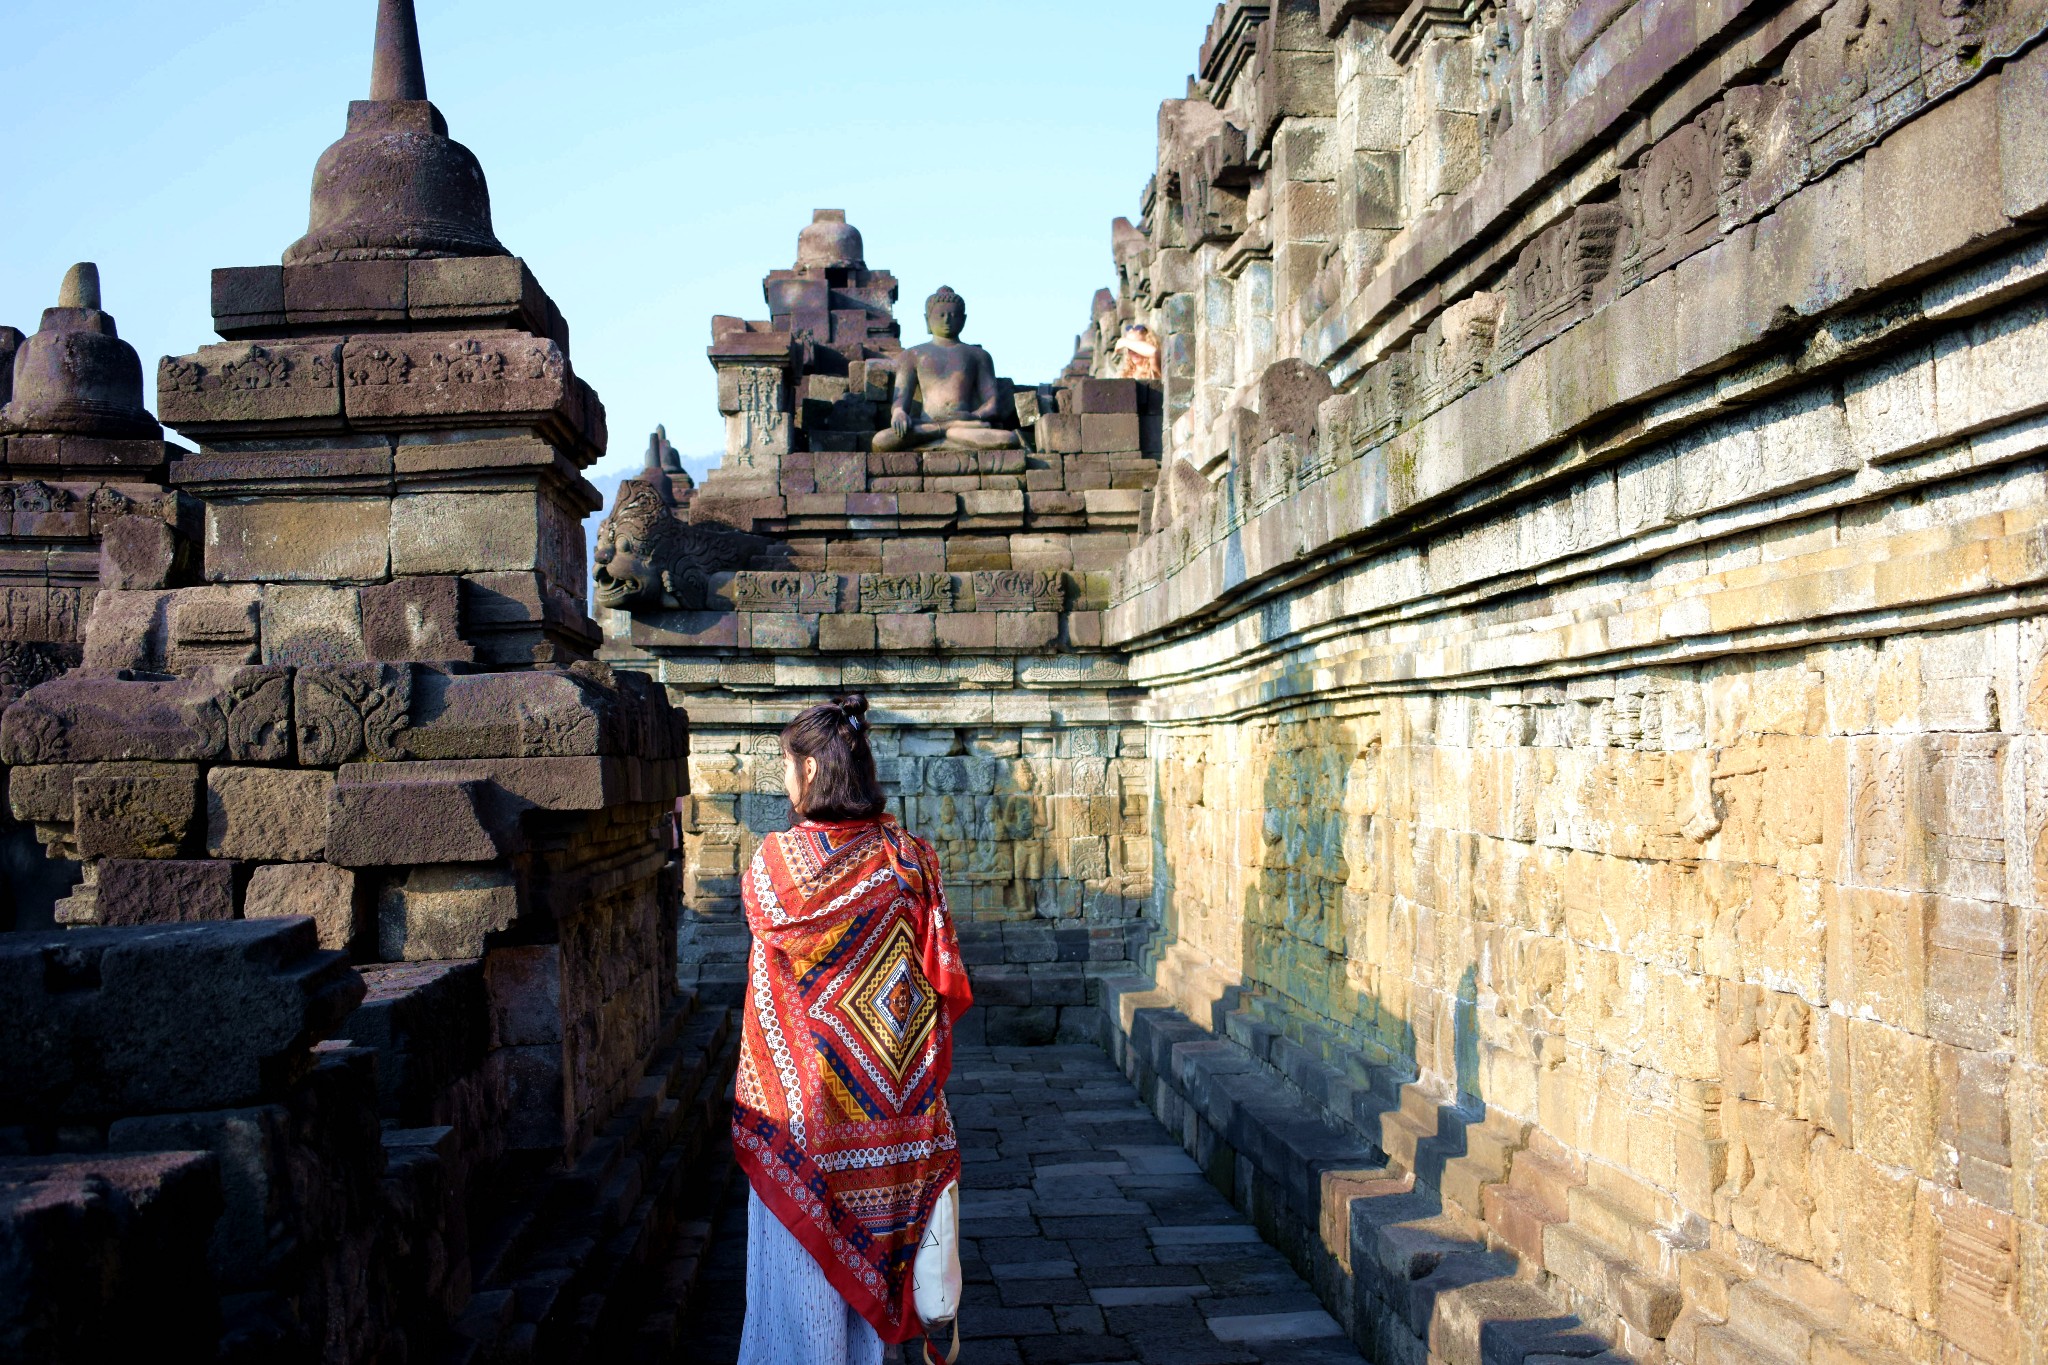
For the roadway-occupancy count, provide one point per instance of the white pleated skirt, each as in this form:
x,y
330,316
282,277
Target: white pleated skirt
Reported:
x,y
794,1315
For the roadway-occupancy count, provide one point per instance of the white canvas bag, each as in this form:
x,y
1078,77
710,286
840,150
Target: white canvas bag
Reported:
x,y
935,1275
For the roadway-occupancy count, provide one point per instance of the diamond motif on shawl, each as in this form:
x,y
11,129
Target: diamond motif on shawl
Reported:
x,y
889,1003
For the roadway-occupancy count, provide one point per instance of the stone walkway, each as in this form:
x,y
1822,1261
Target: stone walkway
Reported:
x,y
1088,1235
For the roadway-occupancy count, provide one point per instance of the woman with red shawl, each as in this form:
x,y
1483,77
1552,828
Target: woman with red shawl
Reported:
x,y
840,1118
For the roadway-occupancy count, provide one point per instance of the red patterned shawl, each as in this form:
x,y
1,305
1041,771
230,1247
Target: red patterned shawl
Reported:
x,y
840,1119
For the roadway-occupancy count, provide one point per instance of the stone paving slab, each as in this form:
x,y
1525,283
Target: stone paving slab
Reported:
x,y
1088,1237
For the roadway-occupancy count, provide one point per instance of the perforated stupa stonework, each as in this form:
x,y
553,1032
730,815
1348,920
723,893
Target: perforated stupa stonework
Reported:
x,y
1505,687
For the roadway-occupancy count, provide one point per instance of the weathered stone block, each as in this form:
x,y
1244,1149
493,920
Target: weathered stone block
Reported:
x,y
429,1025
245,293
244,381
963,630
310,625
310,540
456,375
1027,630
332,897
781,630
397,824
846,632
899,631
1932,188
138,814
163,1019
249,1148
525,986
236,713
535,1095
127,630
415,620
137,553
436,914
1106,396
212,626
684,629
267,814
567,784
1109,432
358,291
157,891
504,715
459,533
104,1257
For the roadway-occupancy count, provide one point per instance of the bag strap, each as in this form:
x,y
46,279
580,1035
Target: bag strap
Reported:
x,y
952,1355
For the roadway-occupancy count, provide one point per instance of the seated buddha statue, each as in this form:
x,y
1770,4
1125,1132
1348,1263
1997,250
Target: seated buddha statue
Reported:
x,y
945,389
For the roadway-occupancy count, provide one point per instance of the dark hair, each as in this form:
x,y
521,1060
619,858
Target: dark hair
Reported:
x,y
836,734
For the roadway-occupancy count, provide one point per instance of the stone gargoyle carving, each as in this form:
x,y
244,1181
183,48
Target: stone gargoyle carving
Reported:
x,y
649,558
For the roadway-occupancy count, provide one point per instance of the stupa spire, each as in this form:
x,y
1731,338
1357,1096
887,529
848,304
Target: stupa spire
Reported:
x,y
396,186
81,287
398,72
75,376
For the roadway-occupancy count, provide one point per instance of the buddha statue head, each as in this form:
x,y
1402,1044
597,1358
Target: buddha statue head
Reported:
x,y
945,313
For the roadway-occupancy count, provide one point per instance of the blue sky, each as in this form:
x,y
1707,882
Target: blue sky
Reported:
x,y
651,161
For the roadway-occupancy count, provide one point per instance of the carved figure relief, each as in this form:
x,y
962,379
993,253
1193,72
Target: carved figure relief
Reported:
x,y
807,592
1671,197
1553,280
255,367
1874,64
649,558
25,664
1019,590
377,365
906,592
1452,356
248,382
759,426
1509,67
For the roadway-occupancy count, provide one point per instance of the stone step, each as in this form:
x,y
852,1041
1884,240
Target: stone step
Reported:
x,y
572,1258
1545,1181
1766,1327
1621,1230
1517,1221
1421,1109
1490,1147
1402,1138
614,1276
1647,1303
1480,1316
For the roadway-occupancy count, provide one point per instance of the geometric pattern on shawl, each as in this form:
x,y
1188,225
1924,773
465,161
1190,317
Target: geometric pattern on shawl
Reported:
x,y
840,1118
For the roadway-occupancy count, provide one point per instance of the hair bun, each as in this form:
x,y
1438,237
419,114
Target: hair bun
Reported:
x,y
854,707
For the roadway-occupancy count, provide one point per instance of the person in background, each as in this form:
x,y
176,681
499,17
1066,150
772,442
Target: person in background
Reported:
x,y
1137,353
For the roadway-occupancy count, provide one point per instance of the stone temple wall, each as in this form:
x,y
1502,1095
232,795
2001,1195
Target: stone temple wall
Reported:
x,y
1591,633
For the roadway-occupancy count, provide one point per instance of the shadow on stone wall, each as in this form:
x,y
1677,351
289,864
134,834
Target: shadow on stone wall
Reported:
x,y
31,883
1362,1145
